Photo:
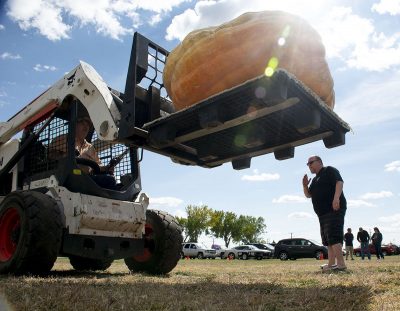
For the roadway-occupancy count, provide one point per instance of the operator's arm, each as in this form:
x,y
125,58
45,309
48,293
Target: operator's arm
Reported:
x,y
306,181
338,192
58,147
95,157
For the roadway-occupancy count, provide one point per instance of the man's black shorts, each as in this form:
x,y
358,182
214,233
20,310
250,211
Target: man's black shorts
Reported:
x,y
331,226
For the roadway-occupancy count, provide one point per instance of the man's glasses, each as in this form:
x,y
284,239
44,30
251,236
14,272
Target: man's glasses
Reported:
x,y
311,162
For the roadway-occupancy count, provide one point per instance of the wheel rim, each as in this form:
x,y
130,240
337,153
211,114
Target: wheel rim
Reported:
x,y
283,256
149,245
10,225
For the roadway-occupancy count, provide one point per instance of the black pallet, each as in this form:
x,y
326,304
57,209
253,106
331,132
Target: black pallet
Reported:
x,y
261,116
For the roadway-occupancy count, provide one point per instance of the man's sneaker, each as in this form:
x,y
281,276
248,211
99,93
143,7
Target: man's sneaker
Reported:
x,y
339,269
327,268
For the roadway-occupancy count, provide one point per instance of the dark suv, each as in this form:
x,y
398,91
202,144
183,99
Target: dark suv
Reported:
x,y
300,248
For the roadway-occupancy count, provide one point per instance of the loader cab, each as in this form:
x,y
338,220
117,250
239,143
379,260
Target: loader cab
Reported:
x,y
54,153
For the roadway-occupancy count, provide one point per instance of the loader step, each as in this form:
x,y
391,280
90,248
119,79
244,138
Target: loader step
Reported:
x,y
263,115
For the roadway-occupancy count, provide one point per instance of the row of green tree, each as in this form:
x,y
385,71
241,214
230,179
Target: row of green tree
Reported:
x,y
220,224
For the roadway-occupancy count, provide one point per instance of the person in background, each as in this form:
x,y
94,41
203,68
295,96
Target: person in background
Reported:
x,y
377,241
348,241
329,202
363,238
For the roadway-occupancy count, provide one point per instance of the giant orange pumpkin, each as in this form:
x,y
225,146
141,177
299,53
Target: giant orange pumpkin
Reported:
x,y
211,60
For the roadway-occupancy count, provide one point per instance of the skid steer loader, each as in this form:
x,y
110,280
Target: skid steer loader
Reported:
x,y
50,207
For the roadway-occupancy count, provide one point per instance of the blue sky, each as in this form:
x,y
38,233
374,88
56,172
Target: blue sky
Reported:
x,y
40,40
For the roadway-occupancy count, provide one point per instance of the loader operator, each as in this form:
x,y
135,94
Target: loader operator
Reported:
x,y
84,149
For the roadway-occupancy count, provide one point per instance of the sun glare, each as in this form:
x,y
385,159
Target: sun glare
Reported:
x,y
272,65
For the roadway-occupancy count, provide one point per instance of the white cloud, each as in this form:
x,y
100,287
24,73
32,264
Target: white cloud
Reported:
x,y
394,218
44,16
359,203
155,19
7,55
180,213
2,27
392,223
3,93
40,68
260,176
387,6
376,195
166,201
393,166
300,215
355,41
55,19
380,102
208,13
288,198
346,35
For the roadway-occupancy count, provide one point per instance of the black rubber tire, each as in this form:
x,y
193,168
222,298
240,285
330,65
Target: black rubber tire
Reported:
x,y
358,254
231,256
200,256
283,256
162,245
89,264
245,256
34,238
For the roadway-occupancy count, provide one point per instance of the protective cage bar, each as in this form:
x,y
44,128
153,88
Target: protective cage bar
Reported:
x,y
43,157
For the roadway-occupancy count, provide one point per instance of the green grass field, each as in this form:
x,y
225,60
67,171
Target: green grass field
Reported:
x,y
211,285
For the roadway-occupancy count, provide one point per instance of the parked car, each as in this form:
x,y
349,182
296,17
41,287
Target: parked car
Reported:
x,y
245,252
197,250
396,248
266,246
300,248
386,250
219,250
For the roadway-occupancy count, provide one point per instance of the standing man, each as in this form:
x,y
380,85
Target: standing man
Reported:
x,y
348,241
363,238
377,241
326,193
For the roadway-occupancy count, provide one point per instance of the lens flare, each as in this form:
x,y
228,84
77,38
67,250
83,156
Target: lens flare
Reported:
x,y
239,140
286,31
260,92
272,65
284,35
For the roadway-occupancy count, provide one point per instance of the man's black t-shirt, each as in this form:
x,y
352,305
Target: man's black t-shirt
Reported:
x,y
322,191
363,236
348,239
